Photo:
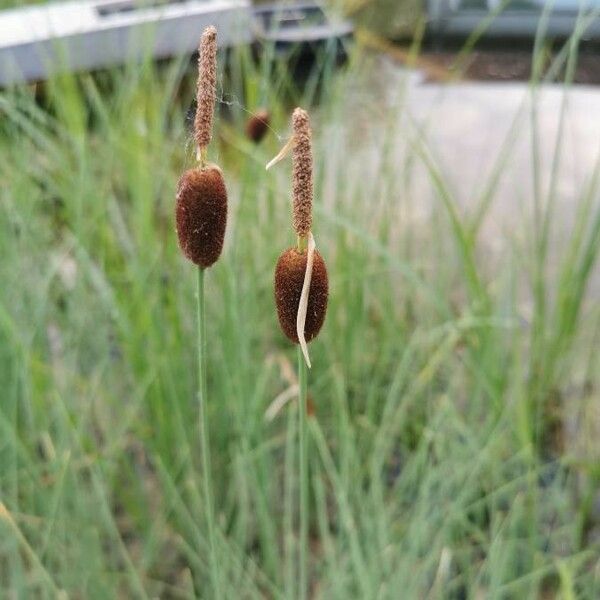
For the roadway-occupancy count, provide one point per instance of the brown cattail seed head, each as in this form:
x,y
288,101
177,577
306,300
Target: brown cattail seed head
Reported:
x,y
207,86
302,176
289,277
201,214
258,125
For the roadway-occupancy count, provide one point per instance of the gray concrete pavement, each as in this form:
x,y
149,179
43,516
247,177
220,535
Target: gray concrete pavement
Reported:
x,y
469,128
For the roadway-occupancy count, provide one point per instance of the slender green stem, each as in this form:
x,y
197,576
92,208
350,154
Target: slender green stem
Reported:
x,y
204,438
302,401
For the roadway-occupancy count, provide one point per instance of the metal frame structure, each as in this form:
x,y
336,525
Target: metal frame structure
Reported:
x,y
447,19
37,41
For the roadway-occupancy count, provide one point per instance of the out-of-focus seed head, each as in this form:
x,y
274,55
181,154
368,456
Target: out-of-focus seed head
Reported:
x,y
201,214
289,277
258,125
310,406
207,87
302,172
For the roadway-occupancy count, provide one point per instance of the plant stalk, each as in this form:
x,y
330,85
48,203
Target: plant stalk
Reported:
x,y
204,437
303,448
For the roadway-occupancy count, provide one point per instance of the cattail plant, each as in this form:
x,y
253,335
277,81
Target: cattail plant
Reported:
x,y
301,292
201,211
201,218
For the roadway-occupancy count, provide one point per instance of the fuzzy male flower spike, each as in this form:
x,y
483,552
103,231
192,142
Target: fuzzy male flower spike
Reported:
x,y
302,176
301,281
201,208
206,92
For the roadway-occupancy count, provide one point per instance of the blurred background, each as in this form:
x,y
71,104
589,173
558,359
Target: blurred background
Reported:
x,y
454,423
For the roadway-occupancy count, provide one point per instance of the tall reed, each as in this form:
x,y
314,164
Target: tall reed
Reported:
x,y
201,218
301,293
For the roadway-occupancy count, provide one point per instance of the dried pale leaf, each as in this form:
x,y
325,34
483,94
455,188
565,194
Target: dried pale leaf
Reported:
x,y
280,401
281,154
303,305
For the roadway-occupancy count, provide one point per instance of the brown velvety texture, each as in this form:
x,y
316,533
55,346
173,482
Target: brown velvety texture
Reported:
x,y
289,277
201,214
257,126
